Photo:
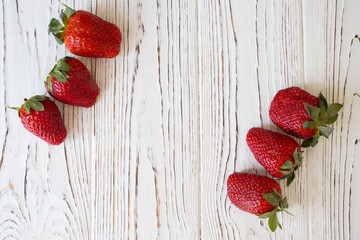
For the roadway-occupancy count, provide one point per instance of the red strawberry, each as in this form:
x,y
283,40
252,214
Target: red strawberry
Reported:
x,y
70,82
279,154
41,116
85,34
302,115
257,195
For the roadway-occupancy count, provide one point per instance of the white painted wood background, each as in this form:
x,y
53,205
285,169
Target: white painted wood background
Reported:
x,y
150,160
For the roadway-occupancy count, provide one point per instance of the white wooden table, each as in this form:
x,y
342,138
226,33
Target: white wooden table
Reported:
x,y
150,160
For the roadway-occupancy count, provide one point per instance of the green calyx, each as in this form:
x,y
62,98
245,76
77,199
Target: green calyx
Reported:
x,y
321,116
288,168
59,73
32,103
280,204
56,28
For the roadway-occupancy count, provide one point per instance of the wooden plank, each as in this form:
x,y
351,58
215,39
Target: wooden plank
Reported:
x,y
253,49
146,142
330,59
129,165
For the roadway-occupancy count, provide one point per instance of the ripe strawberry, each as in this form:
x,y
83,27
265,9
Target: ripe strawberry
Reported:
x,y
86,34
302,115
279,154
257,195
70,82
41,116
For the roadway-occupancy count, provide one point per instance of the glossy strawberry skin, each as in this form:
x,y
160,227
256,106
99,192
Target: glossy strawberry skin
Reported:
x,y
246,190
88,35
47,125
287,111
79,90
271,149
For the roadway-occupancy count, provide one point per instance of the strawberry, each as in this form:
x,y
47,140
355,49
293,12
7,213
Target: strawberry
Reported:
x,y
279,154
70,82
41,116
302,115
259,195
86,34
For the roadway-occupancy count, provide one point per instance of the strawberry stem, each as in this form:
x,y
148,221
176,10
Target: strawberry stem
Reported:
x,y
14,108
288,212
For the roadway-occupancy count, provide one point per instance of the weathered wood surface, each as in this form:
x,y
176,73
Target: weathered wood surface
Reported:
x,y
150,160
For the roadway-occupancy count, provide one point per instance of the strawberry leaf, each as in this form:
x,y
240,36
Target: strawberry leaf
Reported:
x,y
49,84
39,97
59,38
285,172
333,110
59,76
273,198
312,141
36,105
277,194
322,102
68,11
274,223
284,204
55,26
326,115
314,112
287,165
62,65
310,124
306,143
60,69
290,179
297,155
331,120
63,17
27,108
281,206
325,131
268,214
315,138
290,167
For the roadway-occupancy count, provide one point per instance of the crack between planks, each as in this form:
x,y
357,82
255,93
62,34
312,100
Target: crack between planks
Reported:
x,y
4,84
356,37
162,114
257,61
26,172
352,166
198,111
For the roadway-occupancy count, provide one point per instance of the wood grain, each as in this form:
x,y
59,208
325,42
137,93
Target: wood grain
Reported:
x,y
150,160
277,45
